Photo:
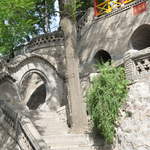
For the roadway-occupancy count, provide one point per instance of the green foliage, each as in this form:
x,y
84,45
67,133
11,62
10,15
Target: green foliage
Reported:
x,y
20,20
75,9
86,4
71,9
44,9
105,97
16,23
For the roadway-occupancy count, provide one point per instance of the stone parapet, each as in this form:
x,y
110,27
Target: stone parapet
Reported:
x,y
137,64
25,133
46,40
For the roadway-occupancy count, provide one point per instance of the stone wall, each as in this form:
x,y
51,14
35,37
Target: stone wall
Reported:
x,y
111,33
134,125
6,141
133,131
49,46
44,56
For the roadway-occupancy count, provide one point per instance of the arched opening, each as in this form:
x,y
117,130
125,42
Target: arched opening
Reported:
x,y
33,90
102,57
140,39
37,98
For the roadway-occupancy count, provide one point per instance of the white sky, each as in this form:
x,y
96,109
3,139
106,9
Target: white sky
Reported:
x,y
55,20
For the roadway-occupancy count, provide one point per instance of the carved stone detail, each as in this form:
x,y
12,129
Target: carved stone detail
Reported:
x,y
137,64
46,40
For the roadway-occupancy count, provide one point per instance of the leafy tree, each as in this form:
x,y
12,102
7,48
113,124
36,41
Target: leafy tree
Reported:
x,y
22,19
86,4
16,23
44,11
68,25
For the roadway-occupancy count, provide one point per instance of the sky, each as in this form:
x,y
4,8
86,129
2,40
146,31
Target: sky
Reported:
x,y
55,20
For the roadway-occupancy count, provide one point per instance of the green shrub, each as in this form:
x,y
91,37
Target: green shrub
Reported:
x,y
71,9
105,97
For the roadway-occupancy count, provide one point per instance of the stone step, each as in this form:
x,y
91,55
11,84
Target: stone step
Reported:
x,y
45,115
71,148
76,147
66,140
48,123
79,148
52,132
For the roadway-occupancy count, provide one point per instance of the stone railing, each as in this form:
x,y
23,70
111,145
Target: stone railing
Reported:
x,y
119,10
25,134
137,64
46,40
88,20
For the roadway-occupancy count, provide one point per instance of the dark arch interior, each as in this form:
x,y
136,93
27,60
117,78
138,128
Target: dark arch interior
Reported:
x,y
140,39
37,98
102,57
33,90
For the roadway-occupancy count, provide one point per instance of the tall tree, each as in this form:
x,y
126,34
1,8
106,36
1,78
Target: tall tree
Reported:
x,y
78,117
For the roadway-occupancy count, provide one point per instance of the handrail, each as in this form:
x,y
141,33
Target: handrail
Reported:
x,y
119,10
26,134
105,16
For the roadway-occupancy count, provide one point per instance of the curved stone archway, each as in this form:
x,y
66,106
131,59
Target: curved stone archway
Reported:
x,y
99,56
37,98
102,56
33,89
140,38
48,76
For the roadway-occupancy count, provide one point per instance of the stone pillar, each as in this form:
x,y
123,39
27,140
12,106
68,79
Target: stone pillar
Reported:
x,y
76,104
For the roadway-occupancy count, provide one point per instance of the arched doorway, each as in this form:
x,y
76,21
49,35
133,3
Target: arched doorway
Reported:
x,y
140,39
33,91
102,57
37,98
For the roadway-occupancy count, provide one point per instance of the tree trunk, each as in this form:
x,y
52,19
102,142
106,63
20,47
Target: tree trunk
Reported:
x,y
75,100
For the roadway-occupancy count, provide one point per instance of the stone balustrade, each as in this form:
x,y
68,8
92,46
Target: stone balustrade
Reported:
x,y
25,135
137,64
46,40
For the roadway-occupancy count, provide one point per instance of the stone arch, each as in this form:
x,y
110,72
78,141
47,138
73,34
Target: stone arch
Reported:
x,y
140,38
34,88
37,98
48,74
101,56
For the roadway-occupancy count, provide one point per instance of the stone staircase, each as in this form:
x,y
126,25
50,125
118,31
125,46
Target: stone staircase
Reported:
x,y
54,131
